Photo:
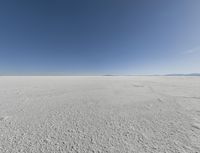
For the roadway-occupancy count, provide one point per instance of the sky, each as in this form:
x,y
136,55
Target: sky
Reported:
x,y
98,37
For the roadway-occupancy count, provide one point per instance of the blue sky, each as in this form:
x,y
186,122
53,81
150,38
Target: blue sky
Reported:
x,y
58,37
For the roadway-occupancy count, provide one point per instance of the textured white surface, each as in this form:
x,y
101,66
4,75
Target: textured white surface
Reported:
x,y
100,114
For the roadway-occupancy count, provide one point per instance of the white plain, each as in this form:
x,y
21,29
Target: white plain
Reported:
x,y
114,114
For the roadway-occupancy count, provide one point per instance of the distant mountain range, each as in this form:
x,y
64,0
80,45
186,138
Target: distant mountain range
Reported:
x,y
173,74
190,74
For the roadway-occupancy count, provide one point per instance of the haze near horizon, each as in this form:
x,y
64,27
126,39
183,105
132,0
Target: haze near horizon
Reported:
x,y
57,37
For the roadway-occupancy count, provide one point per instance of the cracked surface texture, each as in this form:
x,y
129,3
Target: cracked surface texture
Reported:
x,y
99,114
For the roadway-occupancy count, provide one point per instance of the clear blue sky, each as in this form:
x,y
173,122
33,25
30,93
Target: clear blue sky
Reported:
x,y
99,36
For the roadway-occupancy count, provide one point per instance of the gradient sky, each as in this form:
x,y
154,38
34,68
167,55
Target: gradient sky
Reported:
x,y
99,36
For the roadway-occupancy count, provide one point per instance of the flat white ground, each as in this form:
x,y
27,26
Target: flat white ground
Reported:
x,y
110,114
